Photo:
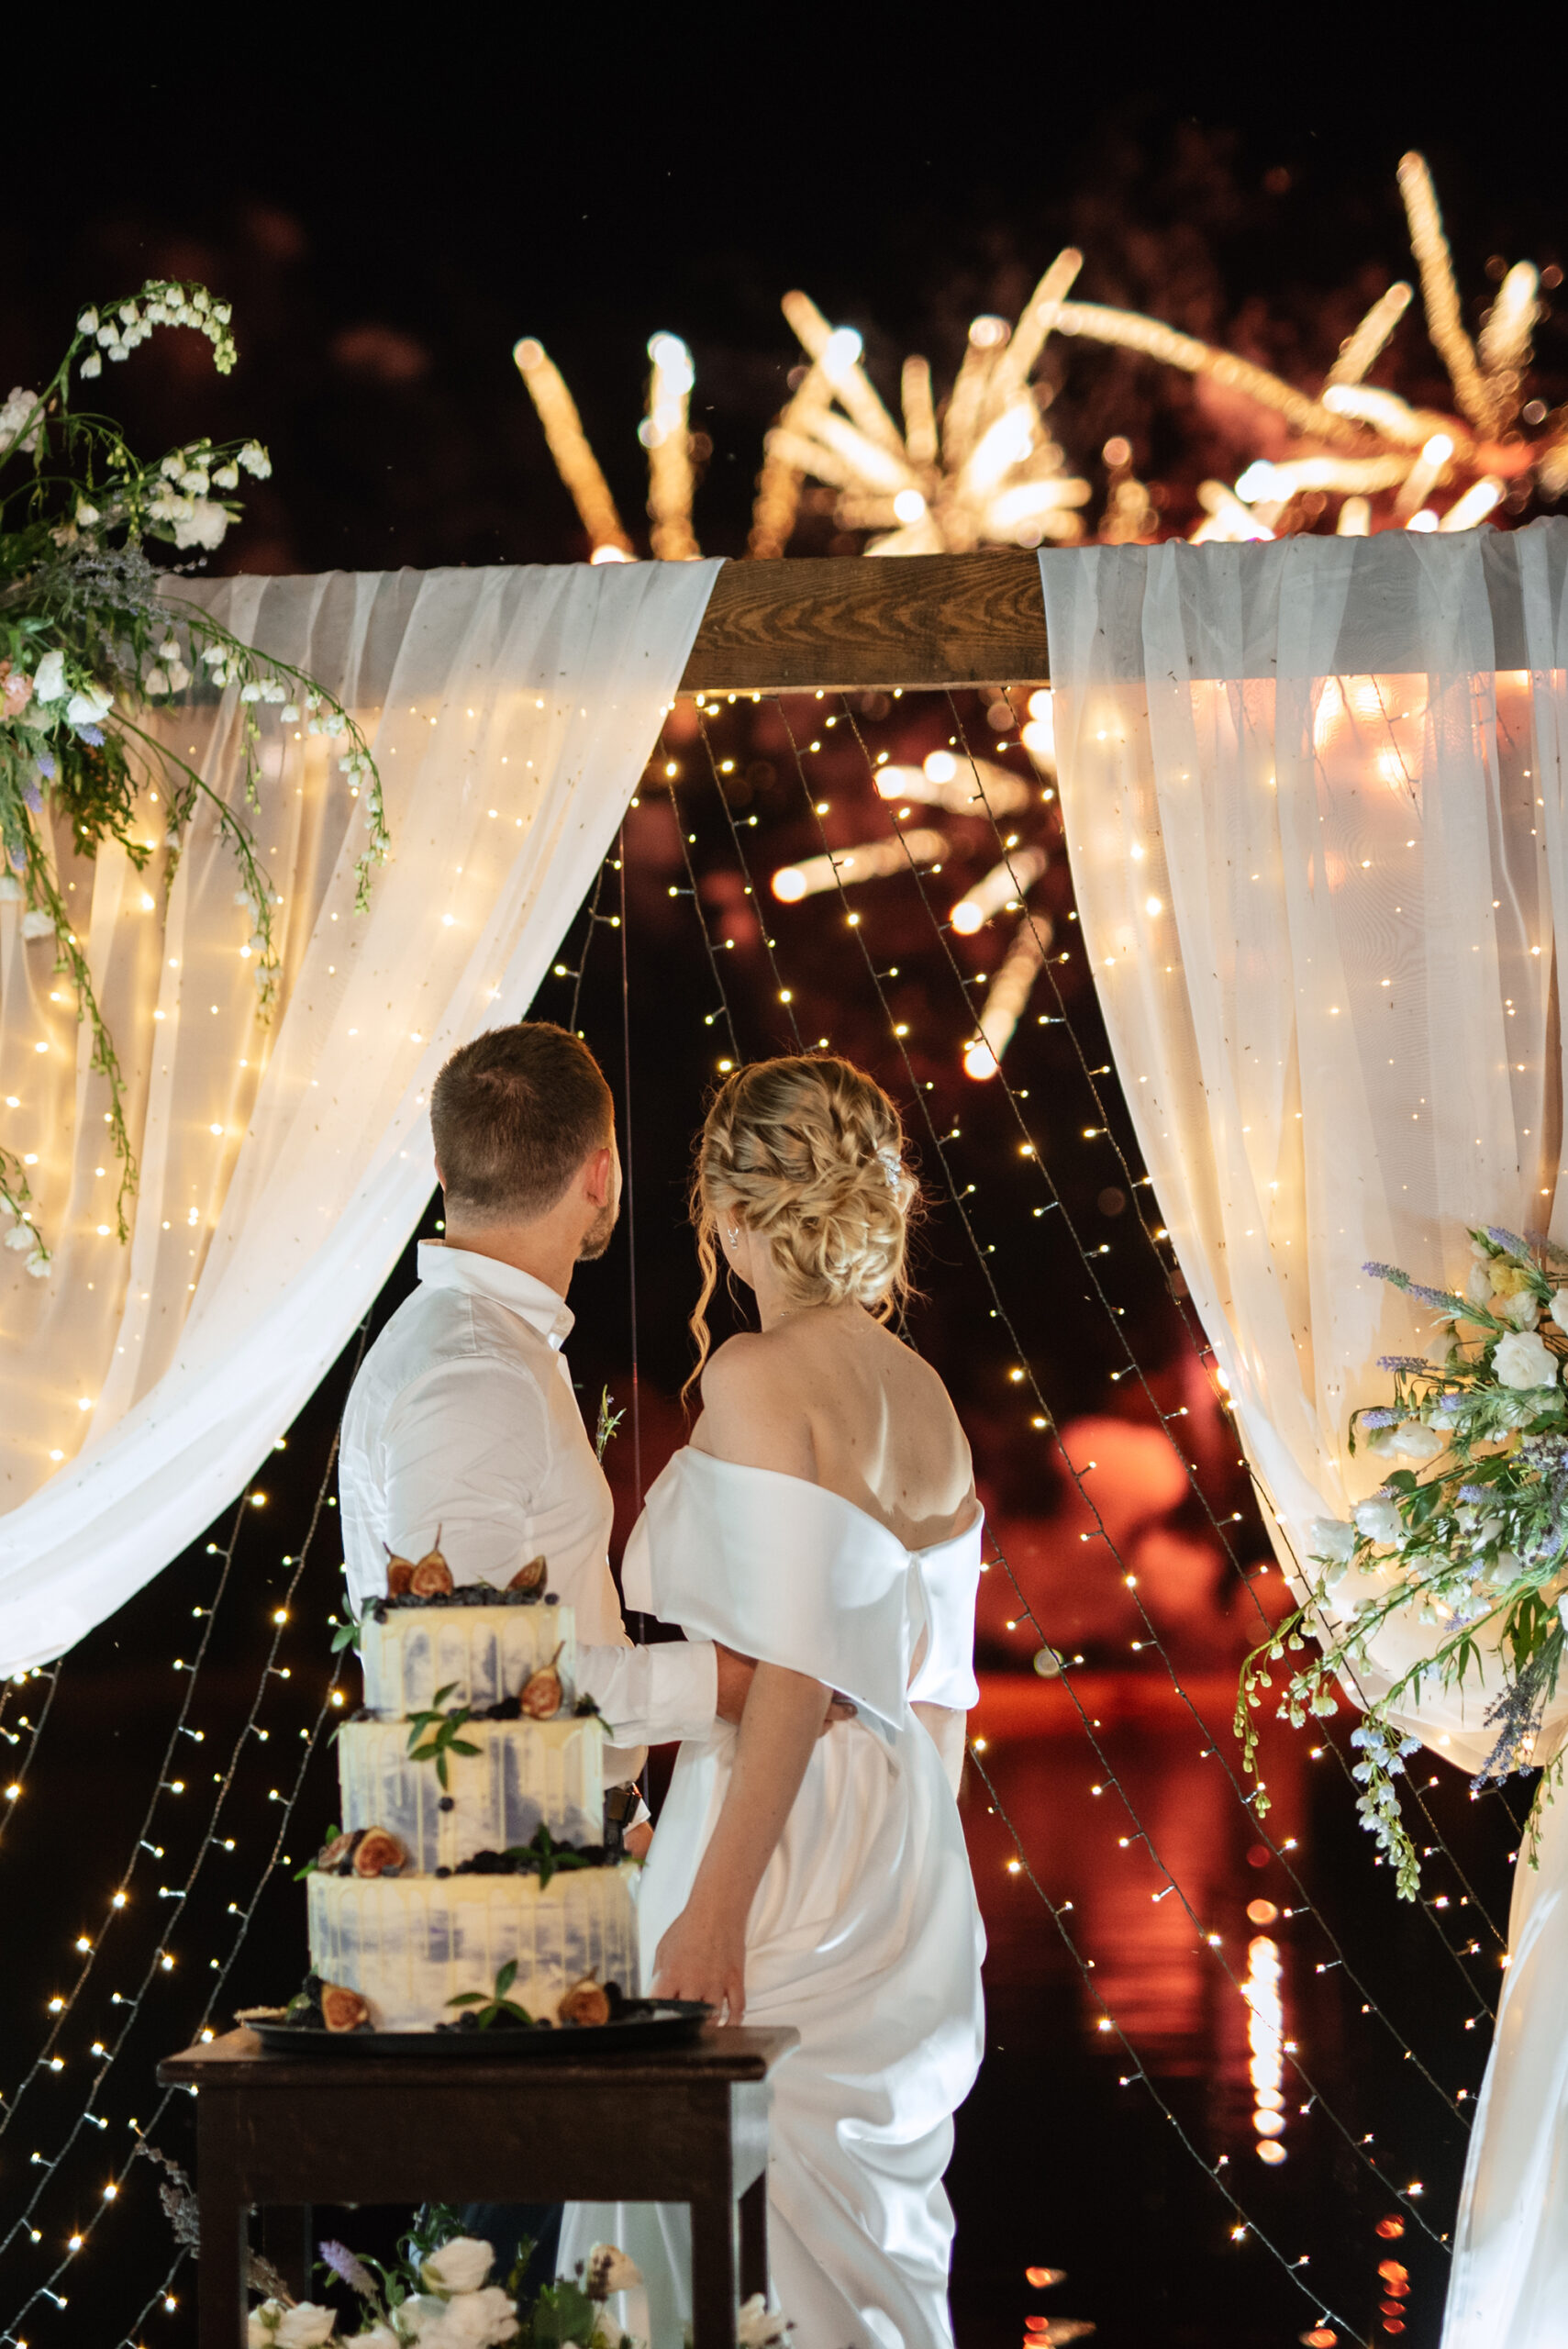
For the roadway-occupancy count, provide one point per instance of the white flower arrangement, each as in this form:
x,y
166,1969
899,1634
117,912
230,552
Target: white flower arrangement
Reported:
x,y
91,642
1473,1539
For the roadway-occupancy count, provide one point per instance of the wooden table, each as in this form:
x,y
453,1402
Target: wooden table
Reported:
x,y
687,2124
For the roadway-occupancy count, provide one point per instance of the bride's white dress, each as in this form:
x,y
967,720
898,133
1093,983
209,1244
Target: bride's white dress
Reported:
x,y
864,1935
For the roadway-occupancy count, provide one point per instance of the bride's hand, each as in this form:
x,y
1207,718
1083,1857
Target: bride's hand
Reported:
x,y
703,1956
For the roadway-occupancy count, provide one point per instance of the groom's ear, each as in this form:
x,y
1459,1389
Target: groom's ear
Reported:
x,y
597,1175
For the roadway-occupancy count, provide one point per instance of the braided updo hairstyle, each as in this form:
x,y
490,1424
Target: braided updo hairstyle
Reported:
x,y
809,1155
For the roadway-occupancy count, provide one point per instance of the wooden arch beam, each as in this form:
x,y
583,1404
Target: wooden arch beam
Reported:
x,y
846,623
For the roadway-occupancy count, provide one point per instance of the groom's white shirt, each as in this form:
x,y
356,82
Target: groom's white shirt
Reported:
x,y
464,1420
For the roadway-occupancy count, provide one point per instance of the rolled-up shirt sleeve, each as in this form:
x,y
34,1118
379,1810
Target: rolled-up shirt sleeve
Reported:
x,y
653,1696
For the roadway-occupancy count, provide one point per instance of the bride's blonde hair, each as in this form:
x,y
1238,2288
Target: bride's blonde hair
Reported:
x,y
809,1155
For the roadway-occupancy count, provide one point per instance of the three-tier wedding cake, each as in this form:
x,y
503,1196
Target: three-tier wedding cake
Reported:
x,y
472,1872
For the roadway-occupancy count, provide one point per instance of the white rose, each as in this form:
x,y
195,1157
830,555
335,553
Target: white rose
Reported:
x,y
1379,1520
1478,1288
49,677
759,2326
1331,1541
459,2265
472,2320
380,2336
1417,1442
1563,1610
262,2324
1558,1308
609,2270
1522,1361
1522,1310
305,2326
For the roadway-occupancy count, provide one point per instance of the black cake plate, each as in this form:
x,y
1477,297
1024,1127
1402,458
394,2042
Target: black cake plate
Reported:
x,y
641,2023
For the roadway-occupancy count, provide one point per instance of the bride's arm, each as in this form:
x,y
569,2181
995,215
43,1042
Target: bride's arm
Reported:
x,y
703,1956
753,1418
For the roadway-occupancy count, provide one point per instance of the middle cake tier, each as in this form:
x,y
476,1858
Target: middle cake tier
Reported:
x,y
525,1774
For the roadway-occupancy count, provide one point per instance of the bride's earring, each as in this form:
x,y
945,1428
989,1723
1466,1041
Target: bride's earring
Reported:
x,y
734,1235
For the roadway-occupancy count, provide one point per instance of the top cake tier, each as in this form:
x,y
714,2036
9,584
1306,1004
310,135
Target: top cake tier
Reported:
x,y
481,1655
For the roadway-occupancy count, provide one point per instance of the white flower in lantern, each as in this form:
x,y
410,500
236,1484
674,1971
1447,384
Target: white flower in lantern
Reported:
x,y
1416,1441
1558,1308
49,677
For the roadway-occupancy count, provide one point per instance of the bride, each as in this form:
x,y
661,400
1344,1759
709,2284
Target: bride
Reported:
x,y
822,1519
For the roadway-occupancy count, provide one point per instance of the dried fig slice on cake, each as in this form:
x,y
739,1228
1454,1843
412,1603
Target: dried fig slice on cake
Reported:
x,y
585,2003
433,1578
342,2009
399,1575
541,1693
333,1855
379,1852
529,1577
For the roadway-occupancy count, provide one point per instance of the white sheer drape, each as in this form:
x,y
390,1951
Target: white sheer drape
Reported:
x,y
1315,805
283,1166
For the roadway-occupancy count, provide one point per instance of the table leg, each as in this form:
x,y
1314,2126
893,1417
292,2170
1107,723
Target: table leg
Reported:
x,y
285,2241
221,2272
713,2302
754,2237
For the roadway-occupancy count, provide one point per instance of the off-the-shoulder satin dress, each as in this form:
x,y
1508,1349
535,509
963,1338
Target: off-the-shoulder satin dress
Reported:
x,y
864,1934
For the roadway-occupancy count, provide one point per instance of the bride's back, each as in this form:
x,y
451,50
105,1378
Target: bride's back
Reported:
x,y
830,1396
801,1190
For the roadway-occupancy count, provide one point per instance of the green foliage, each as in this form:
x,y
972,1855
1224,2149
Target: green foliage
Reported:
x,y
492,2008
330,1837
1472,1544
552,1858
441,1733
97,646
608,1422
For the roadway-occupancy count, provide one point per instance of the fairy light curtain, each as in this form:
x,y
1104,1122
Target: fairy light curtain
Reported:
x,y
1313,801
1314,794
283,1166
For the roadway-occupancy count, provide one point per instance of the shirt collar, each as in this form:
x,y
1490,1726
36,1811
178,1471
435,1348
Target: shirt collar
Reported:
x,y
443,1266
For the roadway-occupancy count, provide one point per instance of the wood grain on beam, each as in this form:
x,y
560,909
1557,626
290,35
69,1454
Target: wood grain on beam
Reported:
x,y
795,626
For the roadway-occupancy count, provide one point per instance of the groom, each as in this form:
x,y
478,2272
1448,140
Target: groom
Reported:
x,y
462,1420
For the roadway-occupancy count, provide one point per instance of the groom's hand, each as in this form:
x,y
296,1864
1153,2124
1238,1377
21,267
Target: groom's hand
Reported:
x,y
735,1674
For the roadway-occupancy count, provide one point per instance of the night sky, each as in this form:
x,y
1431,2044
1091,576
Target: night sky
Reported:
x,y
385,233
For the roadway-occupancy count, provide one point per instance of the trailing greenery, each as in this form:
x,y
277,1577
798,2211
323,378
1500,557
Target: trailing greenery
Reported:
x,y
96,639
1472,1540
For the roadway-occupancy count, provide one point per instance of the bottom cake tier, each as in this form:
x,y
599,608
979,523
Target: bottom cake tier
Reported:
x,y
410,1944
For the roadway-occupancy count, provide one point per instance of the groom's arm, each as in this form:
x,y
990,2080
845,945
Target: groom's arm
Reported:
x,y
656,1695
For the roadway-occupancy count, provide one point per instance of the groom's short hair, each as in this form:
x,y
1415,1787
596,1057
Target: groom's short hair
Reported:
x,y
513,1115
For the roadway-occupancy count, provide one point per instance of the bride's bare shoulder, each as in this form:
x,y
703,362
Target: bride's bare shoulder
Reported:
x,y
755,1408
